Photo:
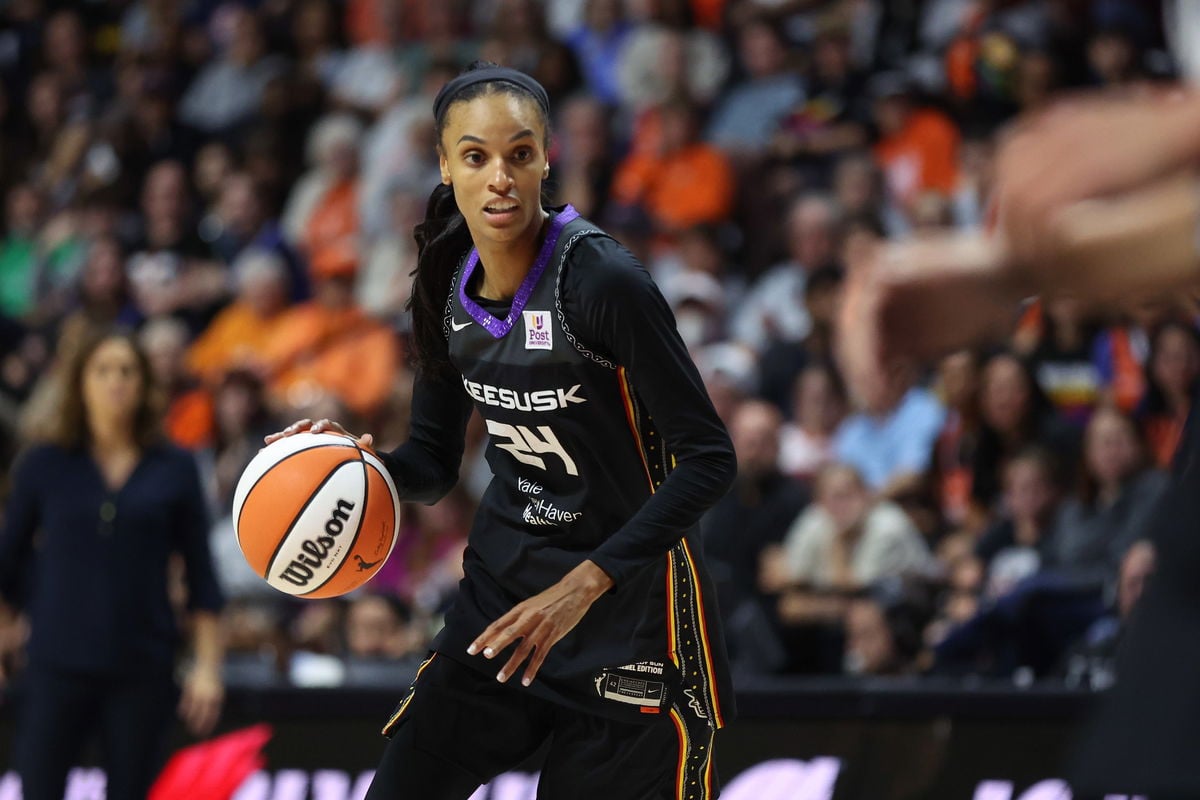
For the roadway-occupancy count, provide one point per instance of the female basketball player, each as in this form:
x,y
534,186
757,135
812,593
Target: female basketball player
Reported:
x,y
110,502
585,617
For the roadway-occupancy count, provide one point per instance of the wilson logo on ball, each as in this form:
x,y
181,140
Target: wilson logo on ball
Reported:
x,y
314,551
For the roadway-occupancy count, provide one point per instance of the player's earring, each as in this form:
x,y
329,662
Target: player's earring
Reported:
x,y
546,172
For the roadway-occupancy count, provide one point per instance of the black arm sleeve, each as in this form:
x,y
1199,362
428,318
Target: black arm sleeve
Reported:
x,y
425,467
611,302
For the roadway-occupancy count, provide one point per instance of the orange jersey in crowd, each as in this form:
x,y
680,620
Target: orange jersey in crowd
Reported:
x,y
921,157
343,352
691,186
334,220
237,337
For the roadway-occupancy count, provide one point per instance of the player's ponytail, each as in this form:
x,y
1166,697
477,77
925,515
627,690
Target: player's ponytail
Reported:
x,y
442,241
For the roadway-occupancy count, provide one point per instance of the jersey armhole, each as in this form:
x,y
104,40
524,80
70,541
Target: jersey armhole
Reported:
x,y
582,347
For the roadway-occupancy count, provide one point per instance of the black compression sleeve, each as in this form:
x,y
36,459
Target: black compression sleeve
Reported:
x,y
612,304
426,466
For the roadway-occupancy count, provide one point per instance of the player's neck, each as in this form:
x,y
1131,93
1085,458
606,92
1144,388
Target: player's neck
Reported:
x,y
505,264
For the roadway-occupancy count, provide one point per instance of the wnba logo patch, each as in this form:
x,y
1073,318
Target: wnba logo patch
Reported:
x,y
537,330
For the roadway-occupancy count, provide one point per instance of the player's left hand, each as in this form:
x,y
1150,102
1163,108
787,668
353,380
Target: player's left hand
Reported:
x,y
200,704
541,621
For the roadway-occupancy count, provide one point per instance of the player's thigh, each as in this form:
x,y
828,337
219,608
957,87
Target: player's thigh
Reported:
x,y
455,730
592,758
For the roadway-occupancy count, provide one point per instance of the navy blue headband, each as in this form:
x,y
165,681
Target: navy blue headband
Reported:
x,y
486,75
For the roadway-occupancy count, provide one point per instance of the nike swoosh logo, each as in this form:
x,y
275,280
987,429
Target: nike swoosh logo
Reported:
x,y
458,326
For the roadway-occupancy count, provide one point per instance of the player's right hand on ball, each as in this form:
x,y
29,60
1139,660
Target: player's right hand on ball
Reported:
x,y
366,441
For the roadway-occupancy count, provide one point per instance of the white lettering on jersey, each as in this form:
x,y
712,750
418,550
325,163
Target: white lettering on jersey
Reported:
x,y
540,400
525,443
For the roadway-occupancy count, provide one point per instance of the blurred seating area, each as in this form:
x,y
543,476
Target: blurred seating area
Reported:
x,y
238,182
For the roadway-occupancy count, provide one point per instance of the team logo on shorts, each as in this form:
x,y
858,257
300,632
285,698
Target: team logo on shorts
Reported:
x,y
537,331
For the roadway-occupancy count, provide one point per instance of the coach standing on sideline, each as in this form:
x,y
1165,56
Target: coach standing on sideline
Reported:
x,y
91,524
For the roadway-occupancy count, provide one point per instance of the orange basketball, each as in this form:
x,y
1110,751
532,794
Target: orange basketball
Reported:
x,y
315,514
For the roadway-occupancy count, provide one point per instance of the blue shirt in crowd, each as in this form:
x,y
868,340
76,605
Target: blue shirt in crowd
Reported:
x,y
883,447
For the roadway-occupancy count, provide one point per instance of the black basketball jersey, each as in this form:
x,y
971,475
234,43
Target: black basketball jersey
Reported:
x,y
575,456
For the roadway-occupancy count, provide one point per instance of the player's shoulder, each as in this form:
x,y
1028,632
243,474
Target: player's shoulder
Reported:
x,y
600,263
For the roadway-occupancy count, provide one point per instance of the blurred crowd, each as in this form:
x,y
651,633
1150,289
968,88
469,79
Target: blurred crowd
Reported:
x,y
238,182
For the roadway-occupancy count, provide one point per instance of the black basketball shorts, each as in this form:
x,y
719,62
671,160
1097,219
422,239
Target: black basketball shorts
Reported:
x,y
457,729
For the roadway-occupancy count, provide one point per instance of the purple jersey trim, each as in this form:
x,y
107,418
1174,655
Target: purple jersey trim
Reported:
x,y
499,327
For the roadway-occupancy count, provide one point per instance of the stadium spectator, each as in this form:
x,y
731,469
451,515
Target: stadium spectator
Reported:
x,y
1017,544
818,408
774,308
213,163
749,113
918,147
834,115
1059,342
682,181
1013,413
957,387
1117,492
783,359
597,43
1122,349
240,334
845,541
398,148
242,219
322,205
518,37
241,419
377,628
427,562
893,447
883,632
188,420
1172,370
666,59
103,297
754,516
228,90
19,252
171,270
858,192
382,287
584,167
316,37
330,346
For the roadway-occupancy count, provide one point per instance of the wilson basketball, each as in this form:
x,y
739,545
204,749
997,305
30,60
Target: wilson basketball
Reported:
x,y
315,514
